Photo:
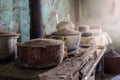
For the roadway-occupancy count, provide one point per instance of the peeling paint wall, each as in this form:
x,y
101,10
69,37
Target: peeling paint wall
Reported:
x,y
52,7
103,13
17,11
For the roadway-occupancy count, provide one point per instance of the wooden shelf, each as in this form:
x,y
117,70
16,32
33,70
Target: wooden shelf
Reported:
x,y
92,67
69,69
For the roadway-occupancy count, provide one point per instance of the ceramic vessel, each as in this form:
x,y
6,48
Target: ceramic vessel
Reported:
x,y
83,28
71,38
65,24
40,53
8,41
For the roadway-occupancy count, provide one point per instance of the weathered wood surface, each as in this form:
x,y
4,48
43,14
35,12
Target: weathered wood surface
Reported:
x,y
67,70
95,62
84,70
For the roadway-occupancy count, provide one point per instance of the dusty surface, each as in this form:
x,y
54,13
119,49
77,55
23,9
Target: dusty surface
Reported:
x,y
66,70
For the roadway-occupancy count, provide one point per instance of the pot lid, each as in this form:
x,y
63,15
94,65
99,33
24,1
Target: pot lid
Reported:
x,y
66,32
83,28
65,24
42,42
94,27
8,34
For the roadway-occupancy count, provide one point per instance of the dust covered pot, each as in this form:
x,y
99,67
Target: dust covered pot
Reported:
x,y
71,38
40,53
83,28
65,24
8,48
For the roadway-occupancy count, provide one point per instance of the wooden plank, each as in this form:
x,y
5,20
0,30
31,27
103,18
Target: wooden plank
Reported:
x,y
67,70
88,53
86,68
95,63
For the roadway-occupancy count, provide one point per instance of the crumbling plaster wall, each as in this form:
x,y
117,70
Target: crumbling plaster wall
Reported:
x,y
105,14
18,12
52,7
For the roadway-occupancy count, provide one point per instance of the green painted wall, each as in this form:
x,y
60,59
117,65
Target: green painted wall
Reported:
x,y
17,11
52,7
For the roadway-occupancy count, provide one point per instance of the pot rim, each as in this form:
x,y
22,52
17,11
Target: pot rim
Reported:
x,y
66,32
58,42
8,34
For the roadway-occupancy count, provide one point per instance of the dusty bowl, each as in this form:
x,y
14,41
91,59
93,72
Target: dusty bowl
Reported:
x,y
71,38
8,48
83,28
40,53
65,24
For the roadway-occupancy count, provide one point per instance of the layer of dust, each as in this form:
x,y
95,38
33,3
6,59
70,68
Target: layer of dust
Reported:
x,y
43,42
66,32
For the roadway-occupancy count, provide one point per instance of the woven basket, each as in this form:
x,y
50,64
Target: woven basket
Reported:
x,y
112,65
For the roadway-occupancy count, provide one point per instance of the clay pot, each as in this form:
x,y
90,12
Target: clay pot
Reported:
x,y
8,48
71,38
87,41
65,24
40,53
83,28
87,38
